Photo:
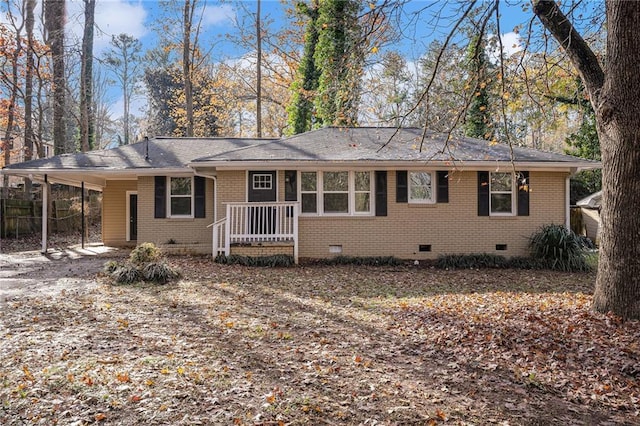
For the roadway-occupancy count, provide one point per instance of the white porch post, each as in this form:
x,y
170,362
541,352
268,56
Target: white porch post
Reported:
x,y
295,232
227,233
45,213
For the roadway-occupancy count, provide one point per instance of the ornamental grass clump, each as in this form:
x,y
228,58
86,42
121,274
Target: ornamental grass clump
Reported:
x,y
560,249
146,263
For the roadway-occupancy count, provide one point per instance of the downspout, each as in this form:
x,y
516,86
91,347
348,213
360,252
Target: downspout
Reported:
x,y
45,213
567,193
215,193
215,207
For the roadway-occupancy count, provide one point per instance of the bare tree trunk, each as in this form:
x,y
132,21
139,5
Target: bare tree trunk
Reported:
x,y
86,79
187,64
7,140
258,73
30,6
614,96
54,21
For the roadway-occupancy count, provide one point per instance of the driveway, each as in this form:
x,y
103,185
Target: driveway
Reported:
x,y
31,273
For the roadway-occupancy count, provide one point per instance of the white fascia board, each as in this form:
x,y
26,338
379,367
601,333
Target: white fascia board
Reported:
x,y
570,167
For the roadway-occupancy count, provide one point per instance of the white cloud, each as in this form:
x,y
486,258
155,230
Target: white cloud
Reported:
x,y
112,17
216,15
511,43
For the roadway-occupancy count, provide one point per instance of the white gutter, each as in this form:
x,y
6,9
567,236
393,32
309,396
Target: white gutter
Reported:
x,y
394,165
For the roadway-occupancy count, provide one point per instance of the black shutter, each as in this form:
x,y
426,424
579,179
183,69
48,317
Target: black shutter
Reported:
x,y
442,193
199,187
483,193
523,193
160,197
401,186
290,185
381,192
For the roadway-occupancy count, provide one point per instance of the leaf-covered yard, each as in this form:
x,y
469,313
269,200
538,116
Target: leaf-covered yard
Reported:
x,y
320,345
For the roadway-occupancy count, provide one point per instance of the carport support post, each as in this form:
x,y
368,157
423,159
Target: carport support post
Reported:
x,y
82,213
45,213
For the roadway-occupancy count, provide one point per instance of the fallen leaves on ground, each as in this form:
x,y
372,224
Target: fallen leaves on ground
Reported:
x,y
316,344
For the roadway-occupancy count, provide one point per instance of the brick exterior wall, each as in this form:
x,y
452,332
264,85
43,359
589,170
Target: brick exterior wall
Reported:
x,y
192,233
264,249
448,228
114,212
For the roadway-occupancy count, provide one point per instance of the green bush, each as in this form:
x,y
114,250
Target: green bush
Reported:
x,y
111,266
560,248
145,263
145,253
159,272
278,260
127,274
362,261
472,261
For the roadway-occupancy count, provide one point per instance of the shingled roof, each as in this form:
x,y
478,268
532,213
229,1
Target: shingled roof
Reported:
x,y
377,147
334,144
160,152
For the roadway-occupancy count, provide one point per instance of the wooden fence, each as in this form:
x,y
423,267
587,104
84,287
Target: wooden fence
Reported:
x,y
24,217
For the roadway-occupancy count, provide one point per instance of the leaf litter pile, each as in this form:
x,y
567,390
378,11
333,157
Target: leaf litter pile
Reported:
x,y
320,345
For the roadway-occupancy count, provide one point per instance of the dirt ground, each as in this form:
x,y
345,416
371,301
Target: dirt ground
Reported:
x,y
308,345
31,273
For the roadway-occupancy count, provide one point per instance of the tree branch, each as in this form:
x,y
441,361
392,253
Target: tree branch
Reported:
x,y
581,56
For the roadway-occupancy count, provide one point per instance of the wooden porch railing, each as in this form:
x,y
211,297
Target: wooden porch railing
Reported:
x,y
256,222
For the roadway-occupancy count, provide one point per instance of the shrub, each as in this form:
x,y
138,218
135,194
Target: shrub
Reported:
x,y
363,261
145,264
145,253
127,274
560,248
111,266
471,261
159,272
278,260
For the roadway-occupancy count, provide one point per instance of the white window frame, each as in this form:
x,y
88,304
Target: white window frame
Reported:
x,y
170,196
512,193
351,194
431,200
268,181
315,193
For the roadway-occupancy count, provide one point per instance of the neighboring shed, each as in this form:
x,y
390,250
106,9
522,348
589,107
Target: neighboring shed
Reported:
x,y
590,207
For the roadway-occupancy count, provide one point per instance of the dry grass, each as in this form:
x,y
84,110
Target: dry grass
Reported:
x,y
320,345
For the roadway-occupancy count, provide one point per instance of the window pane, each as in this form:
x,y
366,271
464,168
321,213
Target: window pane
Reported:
x,y
336,203
420,192
181,186
336,181
362,202
363,180
308,181
262,182
420,178
309,203
181,206
501,182
420,186
500,203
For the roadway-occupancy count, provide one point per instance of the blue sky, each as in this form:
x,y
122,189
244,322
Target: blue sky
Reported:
x,y
135,18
